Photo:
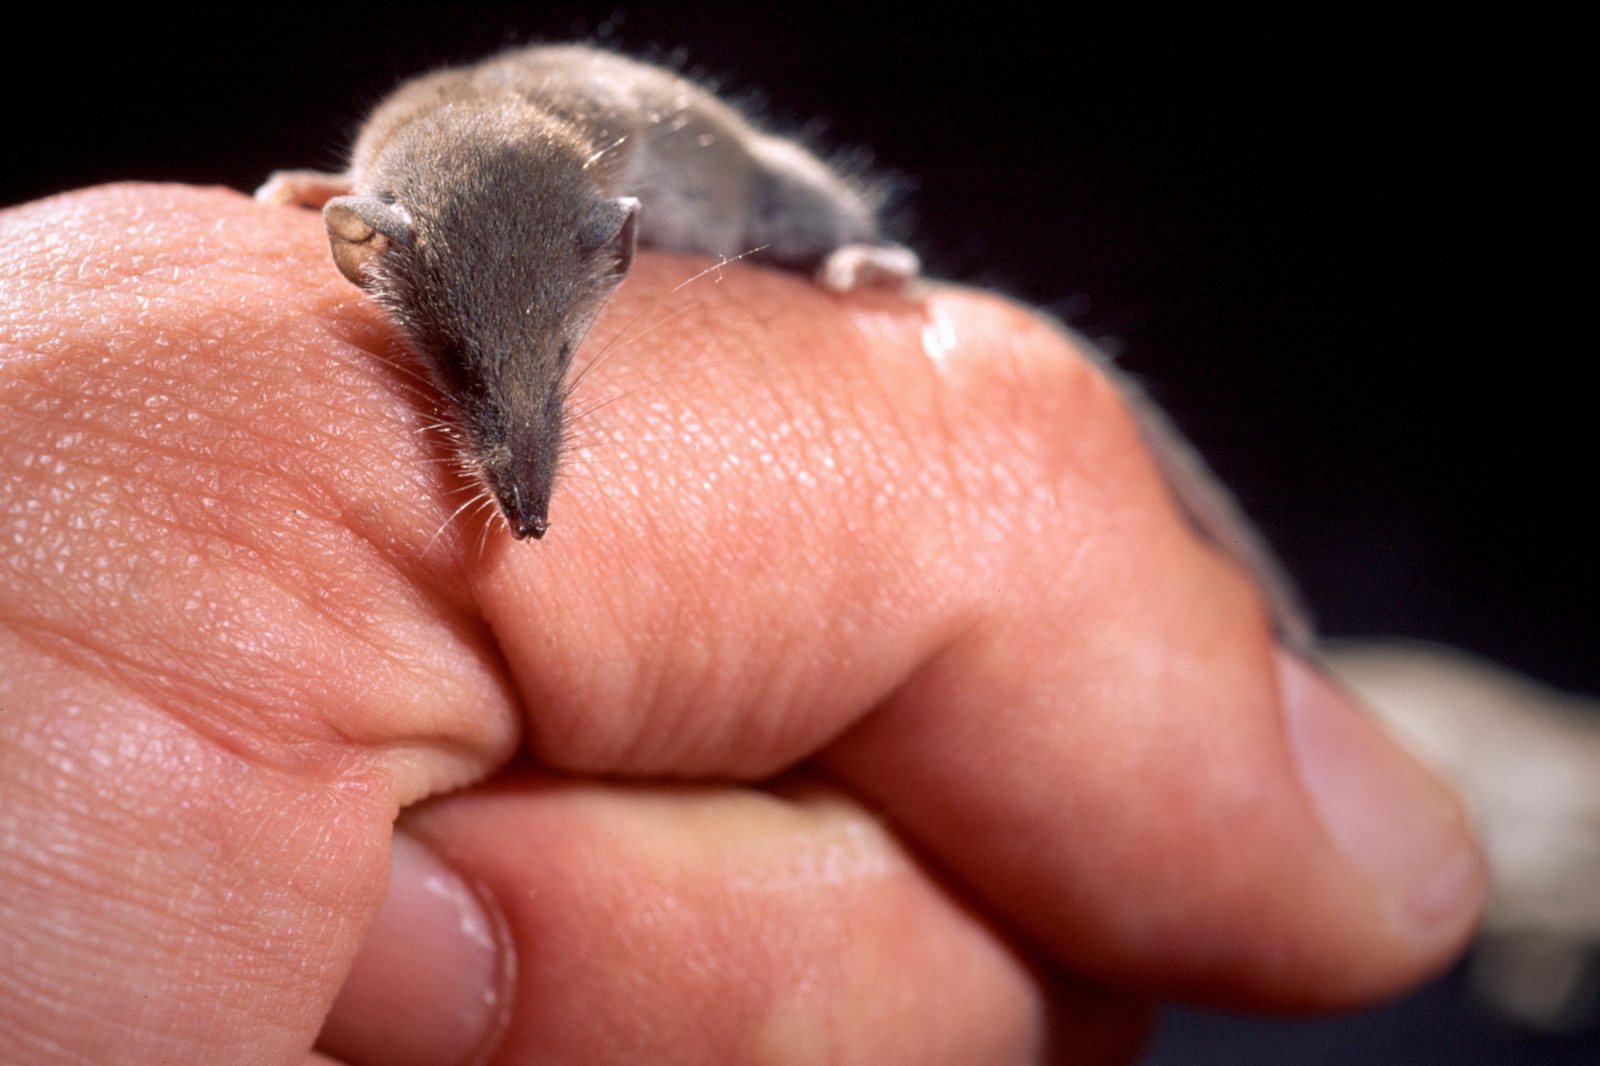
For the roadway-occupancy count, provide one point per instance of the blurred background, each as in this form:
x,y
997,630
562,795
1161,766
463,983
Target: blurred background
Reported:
x,y
1325,248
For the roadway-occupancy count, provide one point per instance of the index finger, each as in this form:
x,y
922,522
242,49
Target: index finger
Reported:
x,y
924,539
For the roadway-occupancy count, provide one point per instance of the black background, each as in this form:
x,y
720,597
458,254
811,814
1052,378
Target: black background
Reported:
x,y
1330,249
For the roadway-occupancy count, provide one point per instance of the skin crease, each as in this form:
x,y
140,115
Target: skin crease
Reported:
x,y
251,613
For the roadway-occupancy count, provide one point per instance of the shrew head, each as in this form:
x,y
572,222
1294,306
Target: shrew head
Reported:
x,y
495,261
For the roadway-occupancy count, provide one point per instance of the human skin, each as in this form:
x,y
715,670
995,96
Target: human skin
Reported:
x,y
868,701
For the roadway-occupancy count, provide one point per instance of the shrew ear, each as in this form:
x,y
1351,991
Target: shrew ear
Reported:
x,y
609,232
360,229
607,236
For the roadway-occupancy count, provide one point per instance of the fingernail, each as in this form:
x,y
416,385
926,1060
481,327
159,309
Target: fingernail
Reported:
x,y
429,983
1389,816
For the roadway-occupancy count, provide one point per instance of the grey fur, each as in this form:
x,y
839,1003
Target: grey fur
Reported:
x,y
493,209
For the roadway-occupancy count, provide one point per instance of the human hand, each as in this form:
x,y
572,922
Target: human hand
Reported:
x,y
880,706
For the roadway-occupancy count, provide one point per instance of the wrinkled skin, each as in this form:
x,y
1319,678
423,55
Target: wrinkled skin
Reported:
x,y
878,706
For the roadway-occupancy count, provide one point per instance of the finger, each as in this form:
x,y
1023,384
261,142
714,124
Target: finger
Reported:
x,y
982,603
725,925
215,692
1125,767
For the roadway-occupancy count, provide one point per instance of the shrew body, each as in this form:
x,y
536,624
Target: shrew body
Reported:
x,y
493,209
